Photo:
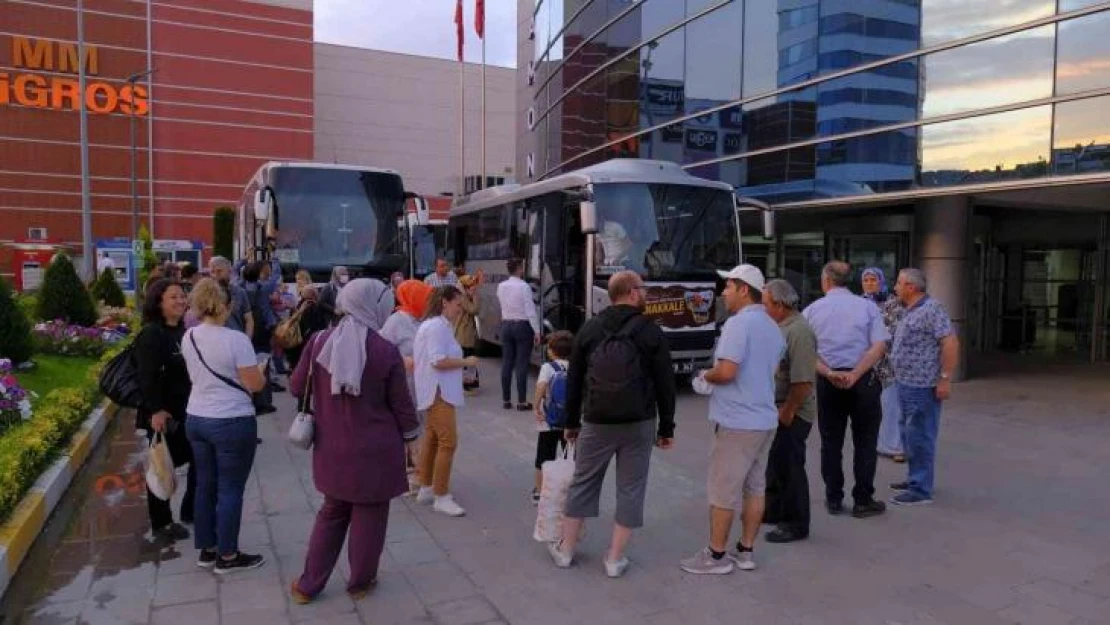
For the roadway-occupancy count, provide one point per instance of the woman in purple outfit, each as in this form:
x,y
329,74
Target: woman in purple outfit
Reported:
x,y
364,421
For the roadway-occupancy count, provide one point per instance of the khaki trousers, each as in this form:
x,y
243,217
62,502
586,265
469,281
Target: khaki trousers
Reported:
x,y
438,451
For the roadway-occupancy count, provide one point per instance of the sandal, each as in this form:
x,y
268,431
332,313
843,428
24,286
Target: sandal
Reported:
x,y
299,597
359,593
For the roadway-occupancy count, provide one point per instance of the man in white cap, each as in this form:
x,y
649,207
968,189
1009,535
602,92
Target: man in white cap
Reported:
x,y
742,408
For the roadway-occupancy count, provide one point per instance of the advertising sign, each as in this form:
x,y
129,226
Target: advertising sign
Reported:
x,y
679,306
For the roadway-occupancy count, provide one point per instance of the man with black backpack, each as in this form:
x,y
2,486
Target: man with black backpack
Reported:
x,y
620,378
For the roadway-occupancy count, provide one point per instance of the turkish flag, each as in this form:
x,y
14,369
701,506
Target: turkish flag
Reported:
x,y
459,27
480,18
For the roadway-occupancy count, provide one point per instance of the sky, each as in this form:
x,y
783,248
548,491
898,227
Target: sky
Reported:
x,y
422,27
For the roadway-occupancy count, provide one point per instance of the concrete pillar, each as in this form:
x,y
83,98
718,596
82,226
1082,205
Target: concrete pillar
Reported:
x,y
942,231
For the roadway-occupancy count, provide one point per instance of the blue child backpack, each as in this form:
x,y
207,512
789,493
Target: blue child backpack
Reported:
x,y
555,403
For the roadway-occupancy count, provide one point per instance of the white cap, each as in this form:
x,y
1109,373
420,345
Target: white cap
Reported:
x,y
748,274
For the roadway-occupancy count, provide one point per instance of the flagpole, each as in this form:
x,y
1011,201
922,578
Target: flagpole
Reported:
x,y
483,183
462,127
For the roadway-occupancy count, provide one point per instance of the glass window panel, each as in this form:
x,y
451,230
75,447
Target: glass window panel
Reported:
x,y
945,20
714,54
985,74
1083,54
1082,137
1004,146
1071,5
793,18
542,30
761,35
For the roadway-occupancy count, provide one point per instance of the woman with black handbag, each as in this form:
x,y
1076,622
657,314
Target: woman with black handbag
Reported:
x,y
164,386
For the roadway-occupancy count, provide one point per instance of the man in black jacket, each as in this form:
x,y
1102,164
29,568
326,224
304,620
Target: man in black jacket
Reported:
x,y
619,379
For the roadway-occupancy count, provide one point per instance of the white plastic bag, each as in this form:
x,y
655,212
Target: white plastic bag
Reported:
x,y
700,385
160,479
557,476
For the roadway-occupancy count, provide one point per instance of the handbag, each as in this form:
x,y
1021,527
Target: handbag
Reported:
x,y
119,379
288,332
303,429
160,480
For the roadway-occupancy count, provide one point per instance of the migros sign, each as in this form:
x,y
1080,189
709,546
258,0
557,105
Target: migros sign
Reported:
x,y
54,92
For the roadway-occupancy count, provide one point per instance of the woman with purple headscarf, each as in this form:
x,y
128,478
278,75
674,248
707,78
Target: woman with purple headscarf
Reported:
x,y
890,432
364,419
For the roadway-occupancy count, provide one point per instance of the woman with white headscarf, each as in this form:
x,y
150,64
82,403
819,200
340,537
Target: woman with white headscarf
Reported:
x,y
364,419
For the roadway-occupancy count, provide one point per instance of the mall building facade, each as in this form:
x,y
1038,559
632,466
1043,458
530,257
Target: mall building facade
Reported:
x,y
968,138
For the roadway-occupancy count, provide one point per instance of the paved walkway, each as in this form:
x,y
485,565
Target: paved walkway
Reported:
x,y
1018,535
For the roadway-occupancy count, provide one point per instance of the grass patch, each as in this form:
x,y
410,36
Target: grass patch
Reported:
x,y
54,372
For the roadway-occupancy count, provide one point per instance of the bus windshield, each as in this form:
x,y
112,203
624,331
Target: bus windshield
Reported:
x,y
665,231
428,243
330,217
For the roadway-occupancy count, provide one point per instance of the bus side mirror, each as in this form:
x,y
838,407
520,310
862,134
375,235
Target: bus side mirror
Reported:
x,y
262,205
587,211
768,224
422,216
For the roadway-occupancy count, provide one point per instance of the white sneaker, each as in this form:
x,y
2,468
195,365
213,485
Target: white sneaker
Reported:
x,y
425,495
446,505
616,569
744,560
561,558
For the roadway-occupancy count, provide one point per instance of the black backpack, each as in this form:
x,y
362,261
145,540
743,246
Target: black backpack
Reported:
x,y
617,389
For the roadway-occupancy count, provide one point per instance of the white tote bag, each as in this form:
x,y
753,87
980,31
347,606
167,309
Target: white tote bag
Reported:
x,y
557,476
160,480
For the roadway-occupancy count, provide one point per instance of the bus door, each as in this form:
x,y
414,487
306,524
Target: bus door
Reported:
x,y
563,292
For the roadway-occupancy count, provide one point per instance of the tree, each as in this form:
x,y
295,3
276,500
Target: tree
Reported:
x,y
147,262
107,290
15,329
63,296
223,232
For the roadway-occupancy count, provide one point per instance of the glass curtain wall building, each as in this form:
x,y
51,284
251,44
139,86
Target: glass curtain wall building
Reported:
x,y
868,123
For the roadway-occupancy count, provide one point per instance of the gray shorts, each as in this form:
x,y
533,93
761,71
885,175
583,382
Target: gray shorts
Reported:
x,y
631,443
738,466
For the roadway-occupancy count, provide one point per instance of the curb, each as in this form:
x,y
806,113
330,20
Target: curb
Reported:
x,y
30,516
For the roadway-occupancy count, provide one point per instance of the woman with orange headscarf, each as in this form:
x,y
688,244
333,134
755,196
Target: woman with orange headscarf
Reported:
x,y
400,329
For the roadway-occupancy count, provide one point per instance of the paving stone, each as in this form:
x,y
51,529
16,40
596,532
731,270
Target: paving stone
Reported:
x,y
416,551
439,581
204,613
250,595
187,588
469,611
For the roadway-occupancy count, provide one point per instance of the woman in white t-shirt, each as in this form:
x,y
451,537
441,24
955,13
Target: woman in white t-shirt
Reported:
x,y
221,427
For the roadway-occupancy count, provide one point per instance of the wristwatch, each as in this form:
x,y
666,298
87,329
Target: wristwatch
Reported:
x,y
945,376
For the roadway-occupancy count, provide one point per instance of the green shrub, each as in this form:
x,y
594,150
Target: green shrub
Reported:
x,y
106,290
223,232
27,449
147,262
15,328
29,304
63,296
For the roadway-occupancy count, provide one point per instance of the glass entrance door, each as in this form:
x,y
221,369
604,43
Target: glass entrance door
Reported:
x,y
888,251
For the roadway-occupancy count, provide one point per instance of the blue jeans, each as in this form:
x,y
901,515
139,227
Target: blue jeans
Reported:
x,y
223,450
890,431
920,425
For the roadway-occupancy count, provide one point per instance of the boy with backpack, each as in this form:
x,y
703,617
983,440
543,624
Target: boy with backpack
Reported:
x,y
551,404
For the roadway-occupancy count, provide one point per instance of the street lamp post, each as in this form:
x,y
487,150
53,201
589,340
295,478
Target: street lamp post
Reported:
x,y
131,80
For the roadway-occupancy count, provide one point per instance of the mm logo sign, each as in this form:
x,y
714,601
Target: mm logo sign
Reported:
x,y
44,91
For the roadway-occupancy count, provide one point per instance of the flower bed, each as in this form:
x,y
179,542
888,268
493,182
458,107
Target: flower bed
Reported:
x,y
15,401
28,447
59,337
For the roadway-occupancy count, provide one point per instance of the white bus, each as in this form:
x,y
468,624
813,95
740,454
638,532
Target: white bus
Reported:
x,y
316,216
577,229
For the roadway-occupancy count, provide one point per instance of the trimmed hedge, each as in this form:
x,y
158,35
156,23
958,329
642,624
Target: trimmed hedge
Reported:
x,y
63,296
15,328
27,449
107,290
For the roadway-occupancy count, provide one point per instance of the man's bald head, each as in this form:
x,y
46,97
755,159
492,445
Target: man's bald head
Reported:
x,y
626,287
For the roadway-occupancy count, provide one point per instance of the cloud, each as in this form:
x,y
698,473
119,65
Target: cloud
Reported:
x,y
421,27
